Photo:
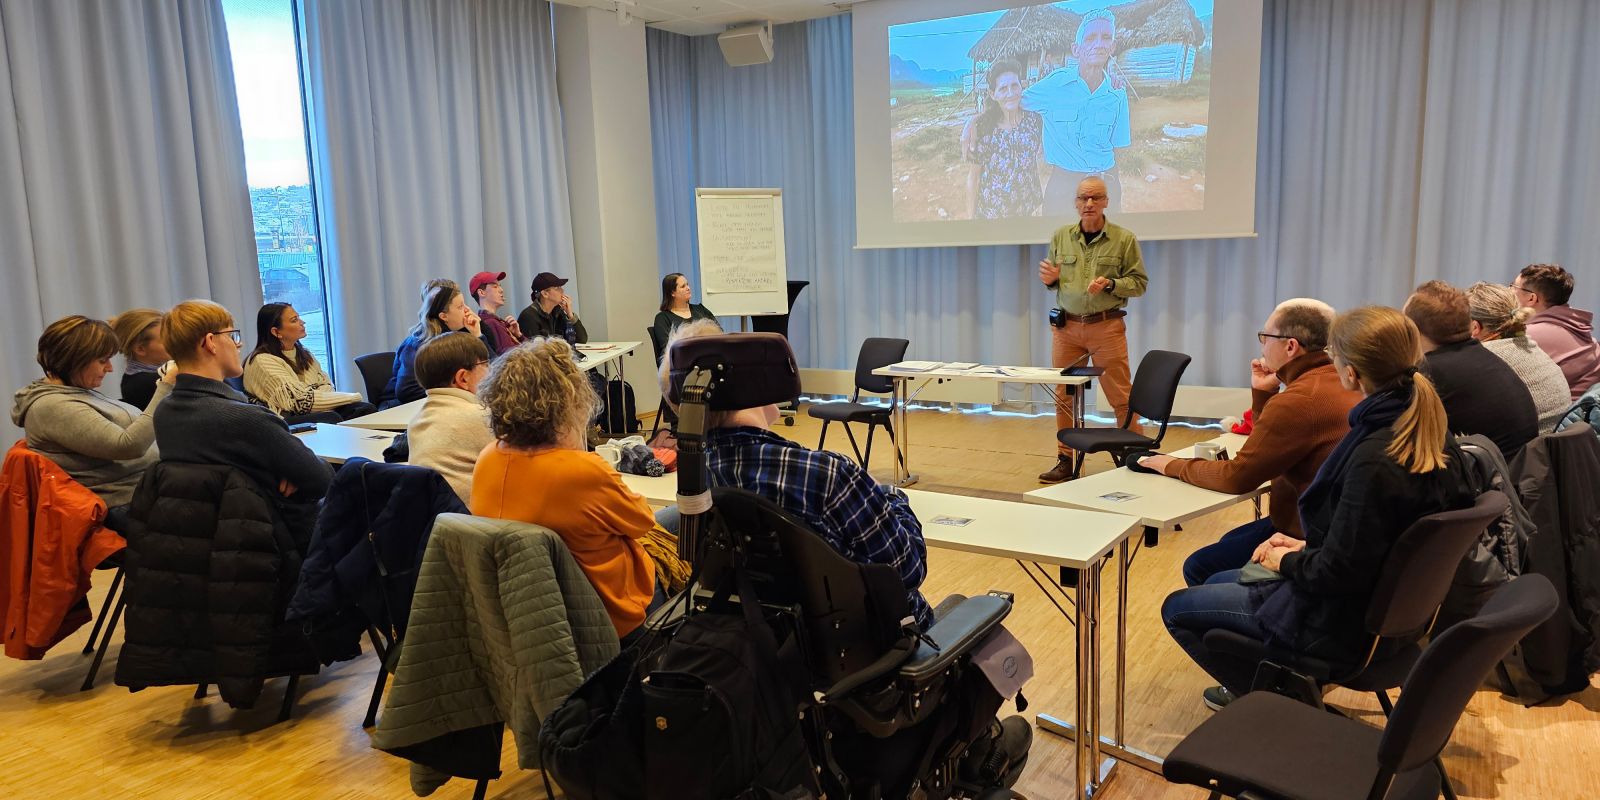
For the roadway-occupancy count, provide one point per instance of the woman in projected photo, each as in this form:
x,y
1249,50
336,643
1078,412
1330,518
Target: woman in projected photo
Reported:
x,y
1003,179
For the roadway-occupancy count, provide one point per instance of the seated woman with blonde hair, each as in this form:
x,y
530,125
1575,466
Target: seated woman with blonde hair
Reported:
x,y
1501,323
139,334
536,471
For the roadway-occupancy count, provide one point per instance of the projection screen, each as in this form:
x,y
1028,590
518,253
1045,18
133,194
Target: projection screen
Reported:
x,y
975,120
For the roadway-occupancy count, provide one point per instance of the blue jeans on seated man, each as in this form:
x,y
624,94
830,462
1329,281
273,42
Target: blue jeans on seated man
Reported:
x,y
1220,602
1231,552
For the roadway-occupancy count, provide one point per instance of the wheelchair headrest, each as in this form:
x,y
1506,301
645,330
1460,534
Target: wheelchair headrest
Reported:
x,y
751,369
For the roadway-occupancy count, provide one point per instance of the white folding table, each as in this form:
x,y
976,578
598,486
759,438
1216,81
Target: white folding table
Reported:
x,y
902,396
337,444
1071,539
1161,503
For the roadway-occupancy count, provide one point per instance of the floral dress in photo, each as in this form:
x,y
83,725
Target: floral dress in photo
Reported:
x,y
1008,178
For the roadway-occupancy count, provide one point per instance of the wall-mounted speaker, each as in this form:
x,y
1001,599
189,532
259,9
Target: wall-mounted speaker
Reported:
x,y
746,44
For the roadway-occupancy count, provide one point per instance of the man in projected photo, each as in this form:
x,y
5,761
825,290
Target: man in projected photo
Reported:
x,y
1093,267
1085,116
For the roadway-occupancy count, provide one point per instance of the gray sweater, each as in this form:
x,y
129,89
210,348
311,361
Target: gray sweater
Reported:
x,y
207,422
103,444
1546,382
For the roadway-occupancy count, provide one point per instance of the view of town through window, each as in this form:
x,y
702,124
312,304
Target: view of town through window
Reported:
x,y
266,72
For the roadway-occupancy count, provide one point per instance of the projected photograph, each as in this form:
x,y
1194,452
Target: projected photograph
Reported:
x,y
999,115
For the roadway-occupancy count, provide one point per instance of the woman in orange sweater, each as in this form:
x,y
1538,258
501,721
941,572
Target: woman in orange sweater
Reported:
x,y
540,406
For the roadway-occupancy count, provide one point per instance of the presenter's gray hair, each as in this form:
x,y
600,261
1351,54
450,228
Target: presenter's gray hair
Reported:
x,y
1091,16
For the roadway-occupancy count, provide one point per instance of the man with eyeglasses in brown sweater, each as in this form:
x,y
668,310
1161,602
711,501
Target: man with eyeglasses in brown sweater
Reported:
x,y
1295,430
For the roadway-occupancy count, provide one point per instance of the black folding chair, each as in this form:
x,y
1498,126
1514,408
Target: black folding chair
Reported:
x,y
875,353
376,369
663,411
1267,745
1405,603
1154,388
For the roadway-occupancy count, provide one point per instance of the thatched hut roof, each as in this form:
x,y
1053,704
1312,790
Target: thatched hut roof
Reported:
x,y
1035,29
1021,32
1146,23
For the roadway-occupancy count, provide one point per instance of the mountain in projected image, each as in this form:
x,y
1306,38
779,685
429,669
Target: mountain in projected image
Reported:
x,y
904,74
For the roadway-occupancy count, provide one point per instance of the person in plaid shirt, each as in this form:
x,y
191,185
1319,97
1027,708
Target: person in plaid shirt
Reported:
x,y
862,520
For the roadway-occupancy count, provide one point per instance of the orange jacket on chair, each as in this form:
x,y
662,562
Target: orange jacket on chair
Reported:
x,y
52,535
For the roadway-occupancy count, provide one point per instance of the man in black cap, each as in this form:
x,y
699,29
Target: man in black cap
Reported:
x,y
550,313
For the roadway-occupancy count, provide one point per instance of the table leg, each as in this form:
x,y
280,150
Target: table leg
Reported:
x,y
1122,641
1084,685
1095,717
900,397
1088,686
1080,405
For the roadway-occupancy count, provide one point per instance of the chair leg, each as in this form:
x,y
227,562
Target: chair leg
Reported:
x,y
661,413
384,670
105,610
377,639
823,439
1383,700
481,790
105,644
1077,464
200,691
871,428
1444,779
288,698
853,446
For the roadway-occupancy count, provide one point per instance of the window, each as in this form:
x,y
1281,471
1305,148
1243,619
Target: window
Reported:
x,y
266,74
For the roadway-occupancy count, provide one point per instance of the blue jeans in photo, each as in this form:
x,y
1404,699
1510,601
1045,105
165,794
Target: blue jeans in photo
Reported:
x,y
1232,551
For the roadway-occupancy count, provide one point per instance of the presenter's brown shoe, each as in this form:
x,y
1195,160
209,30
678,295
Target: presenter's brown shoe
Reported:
x,y
1062,471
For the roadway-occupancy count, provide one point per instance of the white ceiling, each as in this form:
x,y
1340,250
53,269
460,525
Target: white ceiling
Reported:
x,y
700,17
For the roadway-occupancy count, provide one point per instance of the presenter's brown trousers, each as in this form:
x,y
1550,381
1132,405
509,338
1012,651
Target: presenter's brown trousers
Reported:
x,y
1106,343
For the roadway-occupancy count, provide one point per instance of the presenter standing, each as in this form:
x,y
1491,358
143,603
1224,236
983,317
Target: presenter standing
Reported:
x,y
1094,267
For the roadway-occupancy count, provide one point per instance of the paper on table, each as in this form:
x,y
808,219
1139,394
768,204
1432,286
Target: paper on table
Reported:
x,y
596,349
916,366
961,365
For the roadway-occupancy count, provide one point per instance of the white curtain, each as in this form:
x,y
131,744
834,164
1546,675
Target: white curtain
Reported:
x,y
1398,142
438,153
122,178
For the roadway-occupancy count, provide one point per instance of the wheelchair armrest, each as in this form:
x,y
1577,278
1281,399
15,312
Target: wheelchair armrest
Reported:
x,y
965,627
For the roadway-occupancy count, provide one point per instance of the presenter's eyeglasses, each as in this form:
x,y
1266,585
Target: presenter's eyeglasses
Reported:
x,y
1263,336
1091,198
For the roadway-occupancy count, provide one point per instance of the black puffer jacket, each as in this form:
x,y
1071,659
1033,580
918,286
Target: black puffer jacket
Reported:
x,y
1556,476
373,511
211,565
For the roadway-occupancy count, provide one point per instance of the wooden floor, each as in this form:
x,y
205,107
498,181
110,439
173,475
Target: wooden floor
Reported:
x,y
108,743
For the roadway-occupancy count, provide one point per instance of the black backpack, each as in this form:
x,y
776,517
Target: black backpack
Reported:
x,y
721,713
620,415
715,716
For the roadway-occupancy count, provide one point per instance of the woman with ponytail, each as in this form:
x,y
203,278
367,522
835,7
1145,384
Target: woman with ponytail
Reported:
x,y
1397,464
1501,323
